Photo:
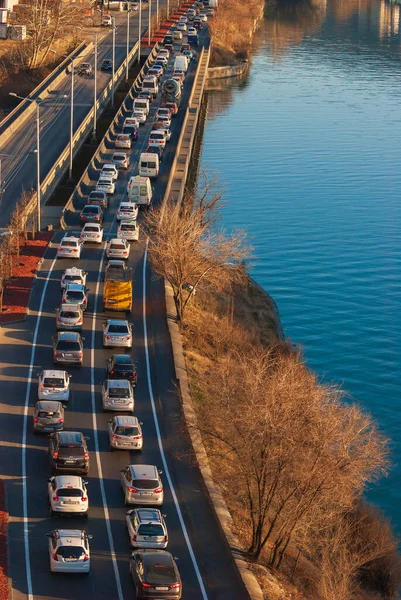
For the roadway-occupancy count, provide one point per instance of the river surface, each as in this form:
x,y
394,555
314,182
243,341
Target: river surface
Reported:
x,y
308,151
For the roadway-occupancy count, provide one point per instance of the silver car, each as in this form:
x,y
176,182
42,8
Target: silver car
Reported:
x,y
146,528
121,160
141,484
54,385
48,416
92,232
75,293
117,334
117,248
128,230
118,394
68,348
70,317
125,433
69,551
73,275
67,494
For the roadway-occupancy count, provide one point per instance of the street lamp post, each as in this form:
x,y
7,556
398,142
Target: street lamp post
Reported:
x,y
139,31
150,22
95,92
126,66
113,20
38,188
157,14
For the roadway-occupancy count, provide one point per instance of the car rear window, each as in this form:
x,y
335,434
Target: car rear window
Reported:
x,y
69,493
53,382
160,574
125,227
117,246
69,314
156,136
68,243
44,414
121,430
150,529
118,392
69,346
65,451
124,367
145,484
75,294
91,228
114,328
98,195
91,210
73,552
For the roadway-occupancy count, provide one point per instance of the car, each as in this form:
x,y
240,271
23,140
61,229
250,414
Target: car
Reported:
x,y
70,317
121,366
68,453
98,197
162,59
155,574
48,416
184,47
192,31
131,121
159,64
75,293
85,70
106,184
159,126
116,268
73,275
163,111
183,19
92,232
107,21
169,47
117,333
146,528
132,131
188,54
120,160
123,140
191,12
118,395
203,17
156,72
54,385
157,138
173,106
67,495
180,27
68,348
127,211
125,433
69,247
69,551
128,230
159,150
209,12
141,484
140,115
177,35
106,65
111,170
117,248
165,119
198,22
163,52
168,40
91,213
146,94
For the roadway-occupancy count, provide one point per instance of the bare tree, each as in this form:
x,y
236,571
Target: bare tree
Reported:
x,y
185,250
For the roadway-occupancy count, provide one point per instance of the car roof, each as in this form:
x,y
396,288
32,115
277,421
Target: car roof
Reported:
x,y
127,222
109,165
125,419
116,263
119,154
70,238
156,557
49,405
53,373
64,481
70,438
74,271
150,515
117,322
123,359
90,207
68,335
89,225
132,204
69,537
119,383
70,307
144,472
117,240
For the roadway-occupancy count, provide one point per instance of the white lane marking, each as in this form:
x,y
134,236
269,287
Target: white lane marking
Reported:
x,y
159,439
95,431
24,446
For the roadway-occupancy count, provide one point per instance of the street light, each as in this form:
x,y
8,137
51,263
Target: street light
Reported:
x,y
38,190
95,93
150,22
113,20
157,14
126,66
139,31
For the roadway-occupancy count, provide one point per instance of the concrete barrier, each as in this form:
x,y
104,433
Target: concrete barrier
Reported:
x,y
223,72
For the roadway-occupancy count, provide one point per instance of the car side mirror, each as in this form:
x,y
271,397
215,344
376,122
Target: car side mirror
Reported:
x,y
140,422
90,537
50,480
49,534
69,375
86,437
85,482
160,472
83,339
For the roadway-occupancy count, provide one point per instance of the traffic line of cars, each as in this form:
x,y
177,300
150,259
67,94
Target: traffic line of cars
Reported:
x,y
153,568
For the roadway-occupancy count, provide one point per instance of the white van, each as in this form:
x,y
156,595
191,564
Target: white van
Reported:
x,y
150,84
148,165
143,104
139,190
180,63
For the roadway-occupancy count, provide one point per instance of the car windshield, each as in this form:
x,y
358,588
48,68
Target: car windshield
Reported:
x,y
69,243
69,314
160,574
121,430
53,382
66,451
69,493
145,484
68,345
75,296
118,392
116,328
71,552
46,414
150,529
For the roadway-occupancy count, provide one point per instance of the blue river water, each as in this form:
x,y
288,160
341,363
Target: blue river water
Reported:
x,y
307,149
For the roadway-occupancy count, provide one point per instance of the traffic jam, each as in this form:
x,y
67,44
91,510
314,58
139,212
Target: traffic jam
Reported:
x,y
153,568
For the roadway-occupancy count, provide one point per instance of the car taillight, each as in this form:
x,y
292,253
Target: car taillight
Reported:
x,y
56,498
86,455
60,421
84,498
35,420
166,539
137,437
134,538
80,355
132,490
175,586
55,353
59,320
158,490
75,250
112,372
86,558
79,320
146,585
55,455
54,556
108,337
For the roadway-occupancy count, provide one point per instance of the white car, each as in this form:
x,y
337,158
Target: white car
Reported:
x,y
117,334
203,17
146,528
127,211
73,275
106,184
163,59
123,141
192,31
128,230
166,120
125,433
69,551
54,385
118,394
160,126
131,121
92,232
111,170
139,115
67,494
117,248
181,26
70,247
121,160
183,19
157,137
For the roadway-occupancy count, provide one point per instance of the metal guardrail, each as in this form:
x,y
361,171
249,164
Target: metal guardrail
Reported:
x,y
179,170
79,191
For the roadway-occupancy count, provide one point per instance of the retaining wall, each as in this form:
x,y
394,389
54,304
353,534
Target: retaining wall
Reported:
x,y
222,72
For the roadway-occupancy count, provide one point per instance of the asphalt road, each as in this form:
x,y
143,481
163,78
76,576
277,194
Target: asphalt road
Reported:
x,y
19,168
195,539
